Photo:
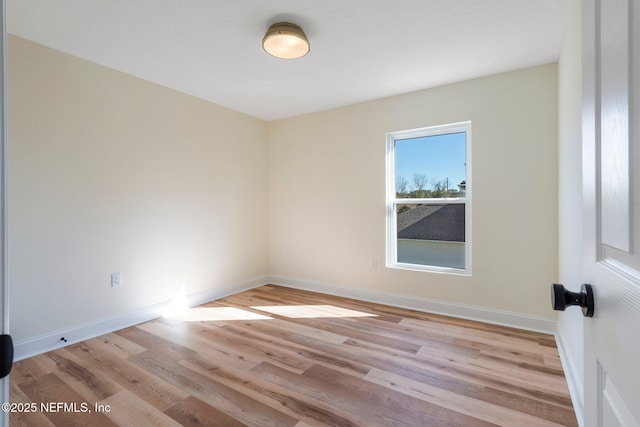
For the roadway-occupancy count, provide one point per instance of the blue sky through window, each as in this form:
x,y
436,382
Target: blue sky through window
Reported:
x,y
437,157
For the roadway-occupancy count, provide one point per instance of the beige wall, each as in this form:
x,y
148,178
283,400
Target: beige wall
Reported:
x,y
109,173
327,192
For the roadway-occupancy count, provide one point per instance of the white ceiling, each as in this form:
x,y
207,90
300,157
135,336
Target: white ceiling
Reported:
x,y
360,49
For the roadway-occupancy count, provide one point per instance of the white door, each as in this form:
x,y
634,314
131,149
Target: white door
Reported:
x,y
611,184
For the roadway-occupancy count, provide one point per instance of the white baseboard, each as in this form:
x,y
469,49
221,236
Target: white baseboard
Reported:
x,y
497,317
52,341
573,379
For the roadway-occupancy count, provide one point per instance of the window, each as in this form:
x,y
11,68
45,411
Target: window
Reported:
x,y
429,199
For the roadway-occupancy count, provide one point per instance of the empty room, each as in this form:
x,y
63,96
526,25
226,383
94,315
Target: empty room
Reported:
x,y
336,213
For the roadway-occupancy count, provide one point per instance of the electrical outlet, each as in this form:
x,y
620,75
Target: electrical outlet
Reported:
x,y
373,264
116,280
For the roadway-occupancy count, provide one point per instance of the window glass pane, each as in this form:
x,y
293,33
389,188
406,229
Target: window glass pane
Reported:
x,y
431,166
431,234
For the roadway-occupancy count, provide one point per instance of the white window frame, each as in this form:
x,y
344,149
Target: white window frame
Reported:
x,y
393,201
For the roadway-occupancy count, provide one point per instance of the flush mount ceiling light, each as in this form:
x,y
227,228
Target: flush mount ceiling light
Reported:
x,y
285,40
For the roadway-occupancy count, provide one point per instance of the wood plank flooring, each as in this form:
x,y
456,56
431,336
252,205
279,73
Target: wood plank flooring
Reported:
x,y
275,356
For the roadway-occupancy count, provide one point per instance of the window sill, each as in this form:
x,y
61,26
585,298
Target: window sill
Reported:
x,y
430,269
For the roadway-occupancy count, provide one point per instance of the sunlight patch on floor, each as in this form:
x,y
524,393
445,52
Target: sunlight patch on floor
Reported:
x,y
212,314
311,311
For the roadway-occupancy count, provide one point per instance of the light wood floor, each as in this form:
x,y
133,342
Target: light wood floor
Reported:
x,y
300,359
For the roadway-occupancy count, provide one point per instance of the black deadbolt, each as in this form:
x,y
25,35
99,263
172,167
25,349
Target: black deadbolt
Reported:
x,y
562,298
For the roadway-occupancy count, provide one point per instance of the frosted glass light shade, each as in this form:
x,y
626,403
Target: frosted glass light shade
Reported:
x,y
285,40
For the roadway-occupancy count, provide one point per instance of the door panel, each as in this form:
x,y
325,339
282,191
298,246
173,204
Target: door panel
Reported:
x,y
615,411
614,122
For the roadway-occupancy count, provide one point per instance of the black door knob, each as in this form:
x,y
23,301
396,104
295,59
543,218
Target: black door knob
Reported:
x,y
562,298
6,355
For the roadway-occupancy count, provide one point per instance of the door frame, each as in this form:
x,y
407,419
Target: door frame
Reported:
x,y
4,271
